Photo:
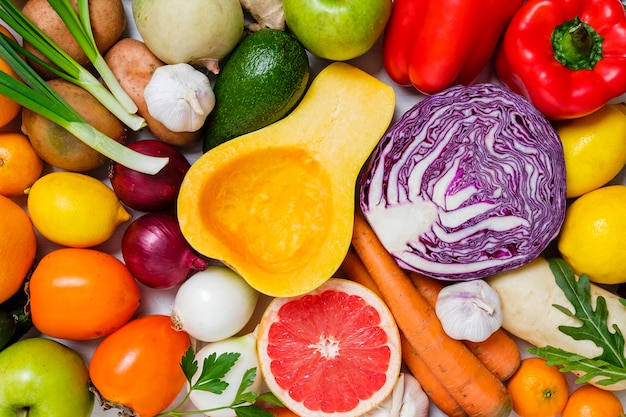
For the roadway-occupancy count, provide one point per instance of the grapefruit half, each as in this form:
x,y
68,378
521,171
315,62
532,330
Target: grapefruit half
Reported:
x,y
332,351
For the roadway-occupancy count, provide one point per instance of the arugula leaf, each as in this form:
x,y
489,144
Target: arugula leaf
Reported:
x,y
610,365
607,373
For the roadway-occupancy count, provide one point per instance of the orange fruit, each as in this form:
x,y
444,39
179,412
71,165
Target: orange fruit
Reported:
x,y
18,247
538,390
20,166
332,351
9,109
591,401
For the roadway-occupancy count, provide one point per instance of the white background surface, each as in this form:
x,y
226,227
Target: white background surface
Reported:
x,y
160,301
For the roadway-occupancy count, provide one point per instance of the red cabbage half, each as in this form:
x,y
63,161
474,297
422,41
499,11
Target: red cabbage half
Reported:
x,y
469,182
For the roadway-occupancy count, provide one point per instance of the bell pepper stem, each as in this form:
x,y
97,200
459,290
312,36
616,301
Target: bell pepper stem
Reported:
x,y
577,45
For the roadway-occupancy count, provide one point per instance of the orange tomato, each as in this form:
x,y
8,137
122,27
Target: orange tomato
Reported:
x,y
138,366
81,294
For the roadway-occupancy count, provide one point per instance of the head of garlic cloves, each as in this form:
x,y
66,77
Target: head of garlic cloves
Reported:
x,y
469,310
180,97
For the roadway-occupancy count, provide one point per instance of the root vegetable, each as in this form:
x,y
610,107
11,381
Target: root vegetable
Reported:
x,y
133,64
108,22
266,14
476,389
529,294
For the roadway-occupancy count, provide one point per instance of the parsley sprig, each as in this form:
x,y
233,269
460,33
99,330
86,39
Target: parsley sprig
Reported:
x,y
211,379
610,366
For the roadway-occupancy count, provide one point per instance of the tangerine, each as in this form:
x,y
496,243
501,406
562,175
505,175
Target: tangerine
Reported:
x,y
9,109
20,166
591,401
332,351
18,247
538,389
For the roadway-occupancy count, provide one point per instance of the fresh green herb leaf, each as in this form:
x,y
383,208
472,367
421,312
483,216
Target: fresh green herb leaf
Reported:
x,y
214,369
610,365
606,373
594,325
189,364
270,398
246,381
251,411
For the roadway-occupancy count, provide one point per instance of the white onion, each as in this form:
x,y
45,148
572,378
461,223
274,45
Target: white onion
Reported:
x,y
214,304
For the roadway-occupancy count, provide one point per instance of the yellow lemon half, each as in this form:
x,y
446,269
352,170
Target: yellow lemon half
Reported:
x,y
75,210
593,236
594,148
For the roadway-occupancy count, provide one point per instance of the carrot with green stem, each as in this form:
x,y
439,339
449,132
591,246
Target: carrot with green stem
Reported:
x,y
499,353
438,394
470,383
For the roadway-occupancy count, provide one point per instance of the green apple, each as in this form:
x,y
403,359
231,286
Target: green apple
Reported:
x,y
43,378
337,29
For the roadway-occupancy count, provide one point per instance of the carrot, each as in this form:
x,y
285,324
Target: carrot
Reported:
x,y
438,394
499,353
469,382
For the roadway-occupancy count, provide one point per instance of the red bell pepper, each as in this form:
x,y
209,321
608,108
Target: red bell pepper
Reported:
x,y
568,57
434,44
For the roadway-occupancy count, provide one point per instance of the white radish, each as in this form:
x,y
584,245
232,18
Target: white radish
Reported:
x,y
528,295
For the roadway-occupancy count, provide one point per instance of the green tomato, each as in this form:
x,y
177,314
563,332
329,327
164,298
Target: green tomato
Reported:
x,y
337,30
43,378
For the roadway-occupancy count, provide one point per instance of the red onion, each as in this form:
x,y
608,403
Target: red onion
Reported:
x,y
157,254
146,192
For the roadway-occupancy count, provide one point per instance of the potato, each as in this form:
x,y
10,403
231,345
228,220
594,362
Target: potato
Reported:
x,y
108,21
527,296
60,148
133,64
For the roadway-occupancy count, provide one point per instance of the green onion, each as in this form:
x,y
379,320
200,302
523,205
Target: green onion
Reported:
x,y
114,97
35,94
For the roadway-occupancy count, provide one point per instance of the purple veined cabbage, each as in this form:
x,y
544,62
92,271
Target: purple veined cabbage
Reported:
x,y
467,183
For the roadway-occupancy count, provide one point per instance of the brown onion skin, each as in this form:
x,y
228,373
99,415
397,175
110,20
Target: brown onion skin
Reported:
x,y
157,254
146,192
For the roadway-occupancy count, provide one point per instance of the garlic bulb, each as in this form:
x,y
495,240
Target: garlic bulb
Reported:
x,y
469,310
407,399
180,97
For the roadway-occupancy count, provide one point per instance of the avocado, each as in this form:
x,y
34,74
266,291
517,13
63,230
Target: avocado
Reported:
x,y
261,81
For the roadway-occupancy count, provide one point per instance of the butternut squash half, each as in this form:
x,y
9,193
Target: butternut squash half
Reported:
x,y
277,205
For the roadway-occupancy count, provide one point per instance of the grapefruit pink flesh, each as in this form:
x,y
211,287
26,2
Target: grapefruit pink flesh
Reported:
x,y
331,351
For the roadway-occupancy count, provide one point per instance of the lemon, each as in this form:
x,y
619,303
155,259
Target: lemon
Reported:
x,y
593,236
75,210
594,148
